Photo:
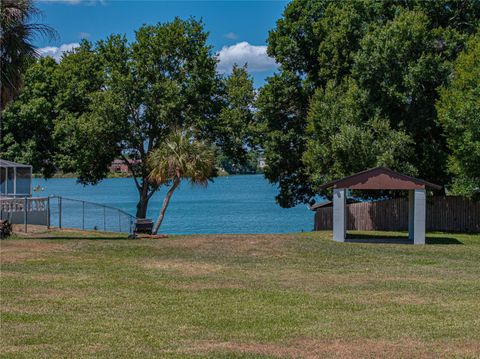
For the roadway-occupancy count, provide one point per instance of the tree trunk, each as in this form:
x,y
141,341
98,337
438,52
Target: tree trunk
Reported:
x,y
166,200
142,206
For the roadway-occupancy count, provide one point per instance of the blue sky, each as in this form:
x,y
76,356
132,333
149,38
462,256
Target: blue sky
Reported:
x,y
238,29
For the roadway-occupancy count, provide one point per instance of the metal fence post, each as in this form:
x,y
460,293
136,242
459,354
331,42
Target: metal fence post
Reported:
x,y
119,222
25,217
59,211
83,215
104,220
48,212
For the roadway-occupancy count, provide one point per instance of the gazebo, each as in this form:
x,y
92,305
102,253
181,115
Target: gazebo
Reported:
x,y
381,178
15,179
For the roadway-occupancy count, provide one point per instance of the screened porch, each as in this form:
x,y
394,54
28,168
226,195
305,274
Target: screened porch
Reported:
x,y
15,179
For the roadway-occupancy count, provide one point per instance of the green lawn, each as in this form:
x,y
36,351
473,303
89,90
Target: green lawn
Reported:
x,y
239,296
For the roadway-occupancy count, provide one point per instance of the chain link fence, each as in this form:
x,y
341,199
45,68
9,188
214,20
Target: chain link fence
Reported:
x,y
62,212
73,213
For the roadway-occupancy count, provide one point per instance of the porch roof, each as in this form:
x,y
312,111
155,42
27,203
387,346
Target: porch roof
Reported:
x,y
5,163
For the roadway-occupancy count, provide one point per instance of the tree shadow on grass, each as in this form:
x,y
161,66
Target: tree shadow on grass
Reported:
x,y
442,240
395,239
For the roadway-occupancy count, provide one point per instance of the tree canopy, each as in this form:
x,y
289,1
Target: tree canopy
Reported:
x,y
459,114
28,123
357,88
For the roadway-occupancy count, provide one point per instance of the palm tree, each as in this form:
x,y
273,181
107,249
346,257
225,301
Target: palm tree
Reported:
x,y
17,31
181,156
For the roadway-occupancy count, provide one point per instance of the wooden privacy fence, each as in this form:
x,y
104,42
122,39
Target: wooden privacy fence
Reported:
x,y
446,214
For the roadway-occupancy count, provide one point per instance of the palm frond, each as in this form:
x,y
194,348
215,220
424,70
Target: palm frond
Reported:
x,y
18,31
182,157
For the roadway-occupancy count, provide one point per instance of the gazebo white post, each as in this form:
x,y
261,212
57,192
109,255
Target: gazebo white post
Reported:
x,y
339,214
411,214
419,216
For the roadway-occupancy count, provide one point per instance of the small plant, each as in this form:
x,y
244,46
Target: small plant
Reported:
x,y
5,229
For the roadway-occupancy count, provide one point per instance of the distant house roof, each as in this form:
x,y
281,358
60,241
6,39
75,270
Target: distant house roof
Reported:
x,y
380,178
5,163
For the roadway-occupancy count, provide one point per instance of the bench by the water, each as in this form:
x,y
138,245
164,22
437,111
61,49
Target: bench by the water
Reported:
x,y
143,225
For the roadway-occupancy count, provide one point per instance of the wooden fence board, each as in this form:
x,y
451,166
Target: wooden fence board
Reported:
x,y
446,214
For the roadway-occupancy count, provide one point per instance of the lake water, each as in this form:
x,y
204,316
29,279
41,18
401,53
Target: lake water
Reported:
x,y
233,204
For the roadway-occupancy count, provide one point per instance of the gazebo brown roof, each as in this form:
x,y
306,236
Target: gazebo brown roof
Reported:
x,y
380,178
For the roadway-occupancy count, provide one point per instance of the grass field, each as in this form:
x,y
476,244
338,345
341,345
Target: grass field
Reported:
x,y
239,296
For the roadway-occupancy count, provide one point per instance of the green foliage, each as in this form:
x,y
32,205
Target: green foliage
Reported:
x,y
182,156
345,136
459,114
42,127
27,124
164,80
367,74
234,126
282,109
401,63
249,165
79,79
89,142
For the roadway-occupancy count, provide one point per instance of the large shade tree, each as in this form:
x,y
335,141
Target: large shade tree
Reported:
x,y
365,78
165,79
18,31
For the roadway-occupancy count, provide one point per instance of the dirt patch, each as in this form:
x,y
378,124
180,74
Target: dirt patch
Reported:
x,y
19,229
252,348
233,242
383,298
21,250
368,348
184,267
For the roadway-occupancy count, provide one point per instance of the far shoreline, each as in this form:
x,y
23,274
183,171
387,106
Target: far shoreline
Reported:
x,y
129,175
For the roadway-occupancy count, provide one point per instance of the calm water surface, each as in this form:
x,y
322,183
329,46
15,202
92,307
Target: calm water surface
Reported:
x,y
234,204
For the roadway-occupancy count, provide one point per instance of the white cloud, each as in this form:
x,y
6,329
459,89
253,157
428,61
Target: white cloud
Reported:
x,y
231,36
255,56
56,52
